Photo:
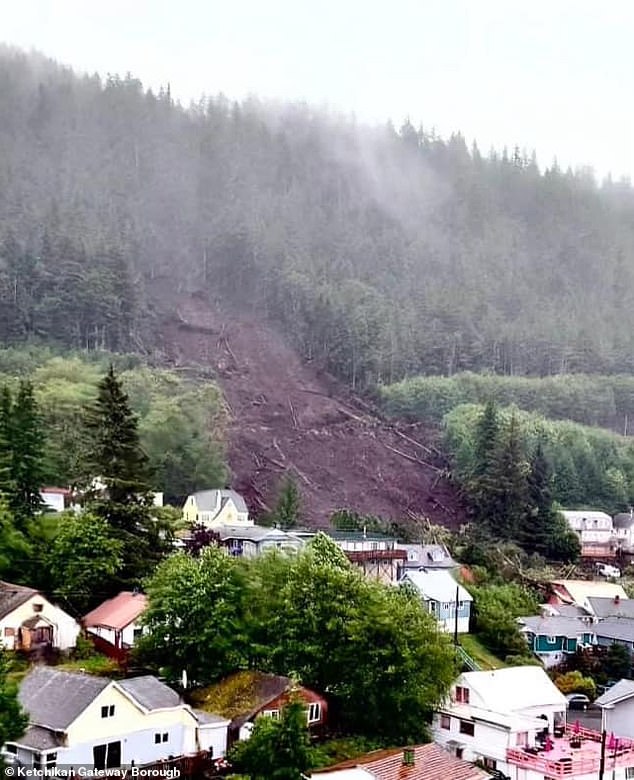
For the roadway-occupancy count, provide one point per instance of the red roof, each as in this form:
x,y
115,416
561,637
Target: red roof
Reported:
x,y
61,491
431,762
117,613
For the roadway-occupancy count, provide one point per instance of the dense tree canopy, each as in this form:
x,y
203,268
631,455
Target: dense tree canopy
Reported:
x,y
372,648
380,252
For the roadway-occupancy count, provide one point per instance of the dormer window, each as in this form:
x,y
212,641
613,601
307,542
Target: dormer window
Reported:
x,y
462,694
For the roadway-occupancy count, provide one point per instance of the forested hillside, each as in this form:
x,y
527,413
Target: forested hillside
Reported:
x,y
382,253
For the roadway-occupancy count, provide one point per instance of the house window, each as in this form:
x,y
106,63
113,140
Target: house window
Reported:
x,y
157,739
11,748
107,711
314,712
521,739
165,736
51,760
461,605
551,640
275,714
432,606
489,763
445,722
9,631
459,752
467,727
629,773
462,695
137,633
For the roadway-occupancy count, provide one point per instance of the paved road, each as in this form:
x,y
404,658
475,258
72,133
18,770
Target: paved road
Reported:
x,y
591,718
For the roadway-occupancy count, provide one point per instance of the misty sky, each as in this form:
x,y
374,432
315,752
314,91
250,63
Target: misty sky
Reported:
x,y
555,75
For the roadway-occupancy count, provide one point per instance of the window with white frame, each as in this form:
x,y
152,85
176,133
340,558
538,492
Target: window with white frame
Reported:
x,y
275,714
551,640
445,722
462,694
107,711
314,712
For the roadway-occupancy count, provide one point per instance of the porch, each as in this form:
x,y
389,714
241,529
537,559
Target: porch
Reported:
x,y
577,752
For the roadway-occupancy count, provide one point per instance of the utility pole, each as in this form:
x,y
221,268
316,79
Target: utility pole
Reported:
x,y
602,764
455,628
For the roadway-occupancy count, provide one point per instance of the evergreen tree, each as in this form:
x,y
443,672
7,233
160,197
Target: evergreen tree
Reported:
x,y
538,527
6,452
26,442
116,457
482,484
510,483
288,505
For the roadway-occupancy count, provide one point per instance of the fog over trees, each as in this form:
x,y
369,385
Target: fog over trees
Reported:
x,y
382,252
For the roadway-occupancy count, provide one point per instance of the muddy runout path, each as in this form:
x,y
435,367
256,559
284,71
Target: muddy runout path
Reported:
x,y
287,416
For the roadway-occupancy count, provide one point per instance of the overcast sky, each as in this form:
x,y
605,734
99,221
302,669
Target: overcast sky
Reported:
x,y
554,75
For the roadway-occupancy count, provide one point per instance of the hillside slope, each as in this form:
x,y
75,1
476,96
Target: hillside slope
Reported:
x,y
288,416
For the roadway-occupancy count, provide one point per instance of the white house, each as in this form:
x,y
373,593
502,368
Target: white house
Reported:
x,y
28,620
594,529
78,719
55,499
117,620
442,596
617,709
213,508
624,530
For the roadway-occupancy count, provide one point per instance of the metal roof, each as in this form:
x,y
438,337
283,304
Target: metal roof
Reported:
x,y
437,585
557,625
118,612
623,689
149,692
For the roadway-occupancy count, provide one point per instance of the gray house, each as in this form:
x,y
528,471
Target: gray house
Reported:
x,y
619,630
249,541
603,608
425,556
617,709
443,597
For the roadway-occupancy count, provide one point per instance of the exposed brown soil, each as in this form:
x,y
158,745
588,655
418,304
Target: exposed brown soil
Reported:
x,y
289,417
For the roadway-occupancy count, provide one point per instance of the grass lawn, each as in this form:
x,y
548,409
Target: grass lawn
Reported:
x,y
483,657
98,665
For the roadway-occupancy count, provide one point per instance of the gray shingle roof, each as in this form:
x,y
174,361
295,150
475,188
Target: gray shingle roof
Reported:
x,y
571,610
11,596
557,625
39,738
207,717
54,699
623,689
618,628
604,608
149,692
207,500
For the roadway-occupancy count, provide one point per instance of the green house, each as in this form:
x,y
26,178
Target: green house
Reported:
x,y
553,638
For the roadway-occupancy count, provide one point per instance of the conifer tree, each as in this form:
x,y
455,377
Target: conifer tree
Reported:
x,y
116,455
510,483
481,486
26,445
117,459
538,525
288,505
6,453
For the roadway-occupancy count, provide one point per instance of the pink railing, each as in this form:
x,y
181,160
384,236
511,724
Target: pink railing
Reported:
x,y
575,765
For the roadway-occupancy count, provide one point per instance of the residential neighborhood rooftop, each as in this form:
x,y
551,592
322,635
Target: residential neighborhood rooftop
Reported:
x,y
208,500
612,607
11,596
428,762
118,612
617,628
54,699
438,585
149,692
530,686
240,695
580,590
623,689
556,625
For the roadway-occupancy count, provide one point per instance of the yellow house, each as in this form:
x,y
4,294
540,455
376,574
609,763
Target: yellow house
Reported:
x,y
214,508
82,720
28,620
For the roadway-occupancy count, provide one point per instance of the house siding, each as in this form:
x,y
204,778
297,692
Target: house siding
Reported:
x,y
620,720
445,614
65,628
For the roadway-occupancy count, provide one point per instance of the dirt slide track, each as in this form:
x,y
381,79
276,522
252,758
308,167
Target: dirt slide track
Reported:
x,y
287,416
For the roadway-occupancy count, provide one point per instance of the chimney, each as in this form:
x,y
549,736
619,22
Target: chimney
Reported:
x,y
409,757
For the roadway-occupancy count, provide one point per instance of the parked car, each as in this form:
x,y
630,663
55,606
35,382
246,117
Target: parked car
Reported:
x,y
578,701
606,570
